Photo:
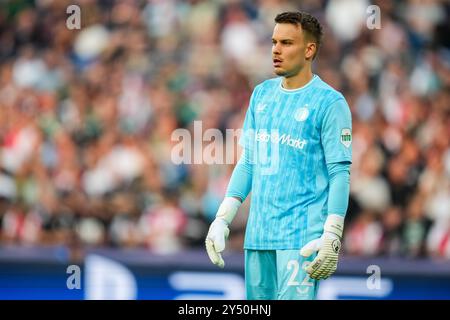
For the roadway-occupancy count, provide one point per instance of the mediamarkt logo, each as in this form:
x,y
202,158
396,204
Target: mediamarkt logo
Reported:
x,y
274,137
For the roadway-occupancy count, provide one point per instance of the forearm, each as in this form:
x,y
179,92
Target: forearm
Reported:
x,y
329,245
241,180
339,191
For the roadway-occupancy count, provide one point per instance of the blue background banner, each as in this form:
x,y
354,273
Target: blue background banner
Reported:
x,y
138,274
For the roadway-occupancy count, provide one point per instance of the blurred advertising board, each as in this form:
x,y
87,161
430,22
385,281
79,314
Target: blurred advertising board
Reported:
x,y
46,273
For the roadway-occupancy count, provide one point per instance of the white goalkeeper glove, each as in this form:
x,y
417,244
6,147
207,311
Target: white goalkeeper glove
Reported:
x,y
218,231
328,247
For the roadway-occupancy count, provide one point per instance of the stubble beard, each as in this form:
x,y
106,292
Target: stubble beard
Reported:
x,y
281,73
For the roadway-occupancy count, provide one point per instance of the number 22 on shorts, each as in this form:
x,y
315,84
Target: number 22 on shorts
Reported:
x,y
306,283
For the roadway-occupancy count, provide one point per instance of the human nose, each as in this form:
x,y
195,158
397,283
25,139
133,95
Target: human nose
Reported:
x,y
276,49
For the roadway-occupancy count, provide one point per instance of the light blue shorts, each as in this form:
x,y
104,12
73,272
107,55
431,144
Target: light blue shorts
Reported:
x,y
278,275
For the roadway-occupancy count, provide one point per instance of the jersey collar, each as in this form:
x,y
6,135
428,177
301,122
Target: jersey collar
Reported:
x,y
297,89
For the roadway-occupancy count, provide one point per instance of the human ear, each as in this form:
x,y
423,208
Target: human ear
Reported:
x,y
310,50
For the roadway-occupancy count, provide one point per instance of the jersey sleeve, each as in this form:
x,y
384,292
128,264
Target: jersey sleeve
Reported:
x,y
339,191
336,132
248,129
241,180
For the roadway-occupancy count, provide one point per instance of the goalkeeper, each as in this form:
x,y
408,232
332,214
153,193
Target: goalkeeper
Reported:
x,y
296,161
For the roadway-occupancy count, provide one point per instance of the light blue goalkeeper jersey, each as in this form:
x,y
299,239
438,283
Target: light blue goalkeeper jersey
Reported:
x,y
291,136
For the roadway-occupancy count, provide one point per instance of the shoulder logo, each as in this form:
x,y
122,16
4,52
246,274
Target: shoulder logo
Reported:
x,y
301,114
346,137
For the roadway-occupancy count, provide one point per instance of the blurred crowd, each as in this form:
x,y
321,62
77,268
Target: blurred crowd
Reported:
x,y
87,116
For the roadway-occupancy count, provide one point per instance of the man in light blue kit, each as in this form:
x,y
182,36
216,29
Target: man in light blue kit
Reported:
x,y
296,161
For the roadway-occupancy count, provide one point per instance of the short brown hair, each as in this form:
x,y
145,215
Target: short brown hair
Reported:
x,y
309,24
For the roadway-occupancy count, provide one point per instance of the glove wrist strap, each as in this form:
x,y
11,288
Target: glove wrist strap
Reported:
x,y
334,224
228,209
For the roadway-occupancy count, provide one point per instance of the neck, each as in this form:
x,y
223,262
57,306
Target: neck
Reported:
x,y
299,80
